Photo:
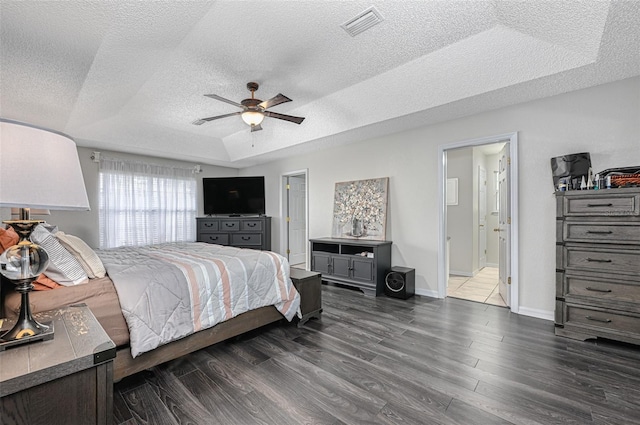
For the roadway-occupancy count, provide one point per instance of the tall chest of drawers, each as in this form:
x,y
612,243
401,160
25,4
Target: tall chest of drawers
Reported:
x,y
598,264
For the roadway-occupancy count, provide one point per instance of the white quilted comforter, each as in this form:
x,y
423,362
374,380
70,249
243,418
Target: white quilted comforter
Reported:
x,y
169,291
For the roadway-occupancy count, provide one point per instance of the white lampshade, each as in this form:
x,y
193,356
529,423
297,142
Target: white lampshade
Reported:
x,y
39,169
252,117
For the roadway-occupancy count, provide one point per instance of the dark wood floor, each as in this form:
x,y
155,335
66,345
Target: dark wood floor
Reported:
x,y
388,361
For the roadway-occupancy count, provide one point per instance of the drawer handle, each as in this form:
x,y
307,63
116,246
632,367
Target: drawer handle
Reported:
x,y
589,288
595,319
597,260
208,224
599,205
251,224
230,224
213,238
246,238
600,232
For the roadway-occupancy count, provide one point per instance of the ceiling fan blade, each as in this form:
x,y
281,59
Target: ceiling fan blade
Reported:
x,y
291,118
256,128
204,120
276,100
222,99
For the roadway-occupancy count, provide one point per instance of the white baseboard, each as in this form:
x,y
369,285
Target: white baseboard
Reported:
x,y
457,273
525,311
427,293
494,265
539,314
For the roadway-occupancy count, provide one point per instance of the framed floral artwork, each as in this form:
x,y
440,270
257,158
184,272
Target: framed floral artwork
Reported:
x,y
360,209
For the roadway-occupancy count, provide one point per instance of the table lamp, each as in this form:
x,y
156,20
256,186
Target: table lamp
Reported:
x,y
26,213
39,169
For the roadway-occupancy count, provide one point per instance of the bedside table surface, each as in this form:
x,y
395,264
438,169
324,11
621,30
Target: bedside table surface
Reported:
x,y
301,274
79,343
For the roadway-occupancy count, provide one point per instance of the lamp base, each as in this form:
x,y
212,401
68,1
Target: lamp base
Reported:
x,y
8,341
26,328
21,264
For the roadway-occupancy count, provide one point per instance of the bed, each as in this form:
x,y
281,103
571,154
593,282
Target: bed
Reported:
x,y
160,302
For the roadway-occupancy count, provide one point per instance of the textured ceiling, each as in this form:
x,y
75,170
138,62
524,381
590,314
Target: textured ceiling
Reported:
x,y
130,76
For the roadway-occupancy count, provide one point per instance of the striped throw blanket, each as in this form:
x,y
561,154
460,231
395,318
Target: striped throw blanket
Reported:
x,y
169,291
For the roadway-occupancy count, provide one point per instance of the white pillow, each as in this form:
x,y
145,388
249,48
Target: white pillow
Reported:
x,y
83,253
63,267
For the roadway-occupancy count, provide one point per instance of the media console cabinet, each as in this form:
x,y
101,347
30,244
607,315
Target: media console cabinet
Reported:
x,y
358,263
241,232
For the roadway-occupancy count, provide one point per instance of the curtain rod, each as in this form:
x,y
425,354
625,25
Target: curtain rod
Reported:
x,y
96,156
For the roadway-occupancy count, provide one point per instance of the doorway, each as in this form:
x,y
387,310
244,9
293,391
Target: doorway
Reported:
x,y
295,223
478,234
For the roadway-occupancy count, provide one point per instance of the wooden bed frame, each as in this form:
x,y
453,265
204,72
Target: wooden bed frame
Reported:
x,y
125,365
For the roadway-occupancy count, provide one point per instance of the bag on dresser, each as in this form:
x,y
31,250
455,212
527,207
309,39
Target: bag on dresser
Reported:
x,y
570,167
623,176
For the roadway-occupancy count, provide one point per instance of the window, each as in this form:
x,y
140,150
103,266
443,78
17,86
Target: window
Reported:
x,y
144,204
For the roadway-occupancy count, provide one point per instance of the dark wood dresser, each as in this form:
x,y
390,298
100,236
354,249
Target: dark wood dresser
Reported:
x,y
598,264
241,232
66,380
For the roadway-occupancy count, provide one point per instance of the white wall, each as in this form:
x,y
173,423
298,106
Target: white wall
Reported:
x,y
603,120
460,217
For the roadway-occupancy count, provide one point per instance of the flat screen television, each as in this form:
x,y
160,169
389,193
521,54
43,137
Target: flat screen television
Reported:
x,y
233,195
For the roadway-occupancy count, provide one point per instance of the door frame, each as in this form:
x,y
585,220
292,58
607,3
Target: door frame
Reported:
x,y
512,139
284,234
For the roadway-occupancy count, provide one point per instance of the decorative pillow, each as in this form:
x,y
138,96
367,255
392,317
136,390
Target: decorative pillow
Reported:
x,y
63,267
83,253
52,228
43,283
8,238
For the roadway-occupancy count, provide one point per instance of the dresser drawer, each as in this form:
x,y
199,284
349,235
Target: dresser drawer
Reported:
x,y
596,318
602,289
251,225
246,239
216,238
602,260
229,225
609,205
620,233
207,225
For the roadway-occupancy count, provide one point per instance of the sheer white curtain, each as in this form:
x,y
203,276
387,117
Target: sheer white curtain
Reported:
x,y
144,204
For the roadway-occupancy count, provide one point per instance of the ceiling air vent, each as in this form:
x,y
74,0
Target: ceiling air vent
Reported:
x,y
362,22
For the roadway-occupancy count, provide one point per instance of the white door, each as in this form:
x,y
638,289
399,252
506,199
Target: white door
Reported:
x,y
482,217
297,219
504,225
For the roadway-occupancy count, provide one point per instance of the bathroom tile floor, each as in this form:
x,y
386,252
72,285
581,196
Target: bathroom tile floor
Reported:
x,y
483,287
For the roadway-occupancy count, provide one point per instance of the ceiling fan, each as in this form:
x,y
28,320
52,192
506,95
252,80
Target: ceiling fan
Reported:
x,y
253,110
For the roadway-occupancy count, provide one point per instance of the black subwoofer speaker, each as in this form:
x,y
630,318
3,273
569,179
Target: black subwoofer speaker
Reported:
x,y
400,282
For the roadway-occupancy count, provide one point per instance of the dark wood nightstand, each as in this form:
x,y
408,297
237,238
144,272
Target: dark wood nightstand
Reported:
x,y
67,380
309,285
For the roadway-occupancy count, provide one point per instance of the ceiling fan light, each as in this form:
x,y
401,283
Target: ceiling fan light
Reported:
x,y
252,117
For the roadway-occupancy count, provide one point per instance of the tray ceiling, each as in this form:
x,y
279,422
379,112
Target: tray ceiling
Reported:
x,y
130,76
